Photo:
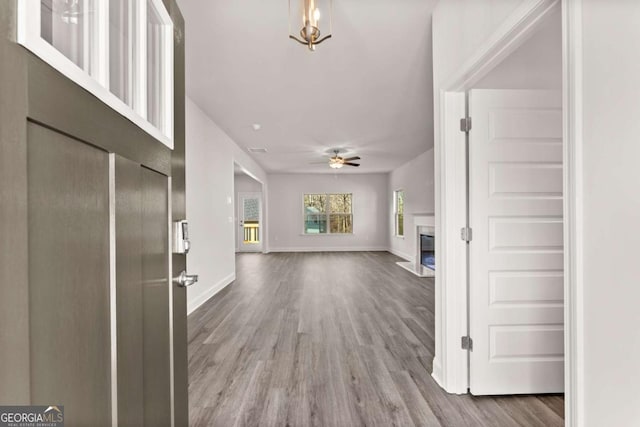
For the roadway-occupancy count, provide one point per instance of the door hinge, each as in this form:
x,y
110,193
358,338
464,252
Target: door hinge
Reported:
x,y
466,234
467,343
465,124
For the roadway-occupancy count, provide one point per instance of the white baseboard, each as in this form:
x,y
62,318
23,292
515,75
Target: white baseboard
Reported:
x,y
192,305
401,254
437,372
330,249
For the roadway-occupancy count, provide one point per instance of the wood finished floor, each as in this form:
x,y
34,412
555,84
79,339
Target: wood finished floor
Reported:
x,y
331,339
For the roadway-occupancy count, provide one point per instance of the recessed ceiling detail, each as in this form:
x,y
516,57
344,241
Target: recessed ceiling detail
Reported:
x,y
257,150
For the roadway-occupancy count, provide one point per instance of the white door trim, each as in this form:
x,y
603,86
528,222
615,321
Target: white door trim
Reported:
x,y
573,211
449,283
450,364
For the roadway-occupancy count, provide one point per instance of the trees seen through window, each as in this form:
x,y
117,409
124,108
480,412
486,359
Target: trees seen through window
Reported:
x,y
328,213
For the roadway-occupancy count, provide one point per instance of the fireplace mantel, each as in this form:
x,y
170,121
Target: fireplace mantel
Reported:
x,y
424,219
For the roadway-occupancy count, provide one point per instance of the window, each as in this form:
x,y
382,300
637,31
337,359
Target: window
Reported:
x,y
328,213
121,51
398,211
157,65
71,28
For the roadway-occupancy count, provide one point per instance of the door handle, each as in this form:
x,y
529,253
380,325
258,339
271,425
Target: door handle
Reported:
x,y
184,279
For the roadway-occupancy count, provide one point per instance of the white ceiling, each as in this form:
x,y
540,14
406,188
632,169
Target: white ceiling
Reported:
x,y
368,90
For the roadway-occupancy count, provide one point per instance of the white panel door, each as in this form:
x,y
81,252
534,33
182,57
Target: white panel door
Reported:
x,y
516,255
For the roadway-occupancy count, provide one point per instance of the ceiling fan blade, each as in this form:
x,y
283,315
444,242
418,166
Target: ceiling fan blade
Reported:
x,y
351,164
352,158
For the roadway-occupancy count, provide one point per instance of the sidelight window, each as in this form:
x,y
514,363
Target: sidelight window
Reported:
x,y
121,51
328,213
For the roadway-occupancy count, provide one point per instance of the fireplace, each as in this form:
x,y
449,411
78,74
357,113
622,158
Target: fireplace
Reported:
x,y
422,260
428,251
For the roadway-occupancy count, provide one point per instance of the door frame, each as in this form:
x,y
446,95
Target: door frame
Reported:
x,y
264,235
257,195
450,365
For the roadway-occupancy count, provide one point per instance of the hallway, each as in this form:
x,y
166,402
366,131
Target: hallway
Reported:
x,y
331,339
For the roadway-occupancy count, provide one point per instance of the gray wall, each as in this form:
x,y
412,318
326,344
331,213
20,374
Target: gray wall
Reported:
x,y
415,178
610,277
370,211
536,64
210,174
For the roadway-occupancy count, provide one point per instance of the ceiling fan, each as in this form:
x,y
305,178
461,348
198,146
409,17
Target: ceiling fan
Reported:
x,y
336,161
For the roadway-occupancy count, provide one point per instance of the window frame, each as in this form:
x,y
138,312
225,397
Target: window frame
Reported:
x,y
97,82
396,214
327,215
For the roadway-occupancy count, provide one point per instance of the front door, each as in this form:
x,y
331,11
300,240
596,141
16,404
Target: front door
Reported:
x,y
516,252
249,221
90,318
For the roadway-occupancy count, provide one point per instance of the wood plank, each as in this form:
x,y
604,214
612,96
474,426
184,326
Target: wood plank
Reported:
x,y
302,347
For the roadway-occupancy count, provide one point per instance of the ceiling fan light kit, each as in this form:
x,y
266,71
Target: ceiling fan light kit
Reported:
x,y
336,162
314,17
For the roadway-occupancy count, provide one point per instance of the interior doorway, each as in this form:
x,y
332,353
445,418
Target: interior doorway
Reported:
x,y
509,267
515,212
248,221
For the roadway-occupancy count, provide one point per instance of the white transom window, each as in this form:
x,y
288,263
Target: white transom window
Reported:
x,y
119,50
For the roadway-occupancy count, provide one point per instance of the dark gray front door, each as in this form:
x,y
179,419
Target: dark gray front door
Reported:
x,y
85,292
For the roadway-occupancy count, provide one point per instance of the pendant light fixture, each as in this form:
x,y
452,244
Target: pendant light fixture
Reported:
x,y
311,20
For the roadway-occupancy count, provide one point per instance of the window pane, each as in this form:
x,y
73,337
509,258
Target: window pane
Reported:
x,y
315,224
251,209
251,220
315,203
398,206
155,60
121,49
69,26
340,203
315,220
341,223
